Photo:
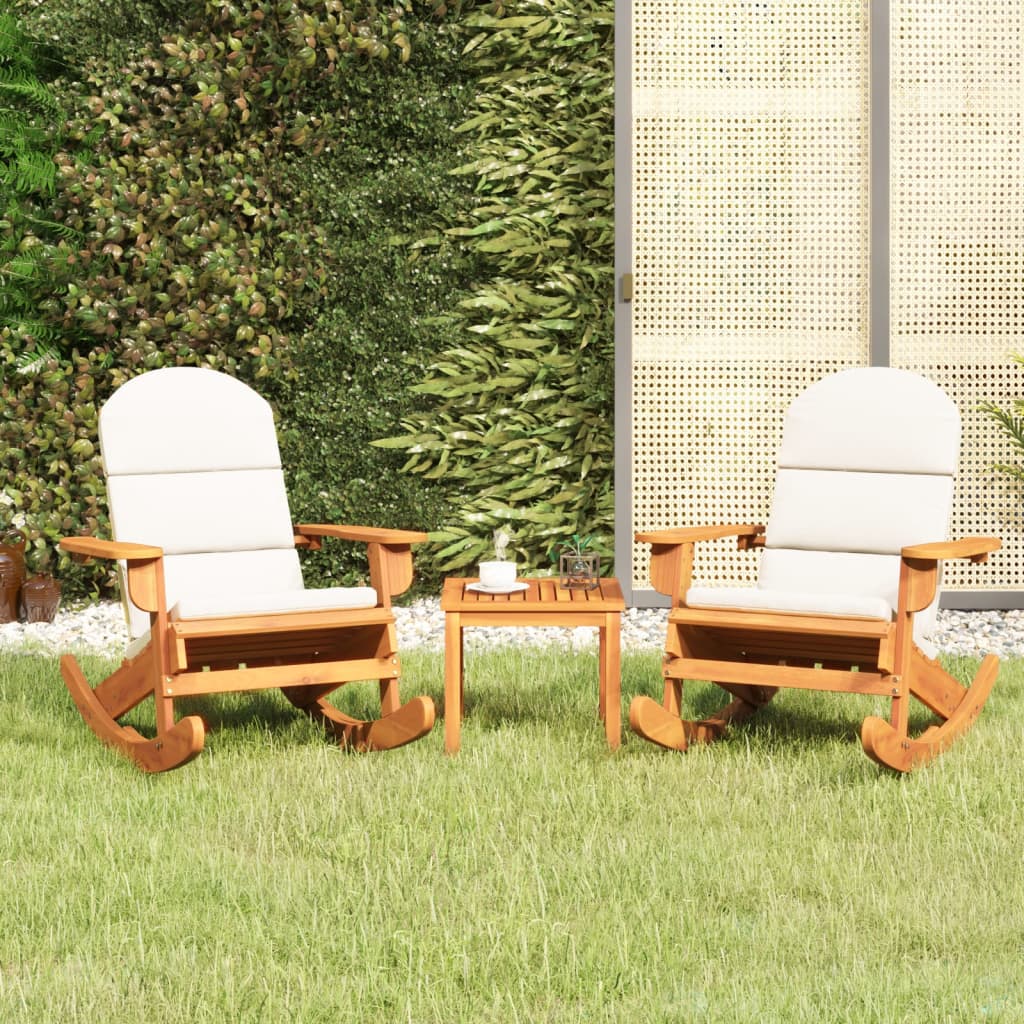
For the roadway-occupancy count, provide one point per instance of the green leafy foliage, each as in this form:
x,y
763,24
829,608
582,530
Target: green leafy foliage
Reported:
x,y
196,242
29,239
83,32
45,457
261,174
516,424
1011,422
382,178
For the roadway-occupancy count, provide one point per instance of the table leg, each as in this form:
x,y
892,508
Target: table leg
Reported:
x,y
452,681
610,655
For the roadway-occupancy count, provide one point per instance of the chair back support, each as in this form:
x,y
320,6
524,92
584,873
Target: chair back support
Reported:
x,y
865,468
193,466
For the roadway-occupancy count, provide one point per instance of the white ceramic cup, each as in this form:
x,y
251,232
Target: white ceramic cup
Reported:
x,y
497,574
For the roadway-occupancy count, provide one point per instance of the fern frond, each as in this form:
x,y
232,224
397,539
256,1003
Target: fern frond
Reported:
x,y
1014,472
31,361
15,45
52,227
1013,425
33,172
30,172
22,90
26,264
30,330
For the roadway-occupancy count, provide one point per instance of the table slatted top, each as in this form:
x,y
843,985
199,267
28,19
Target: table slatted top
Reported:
x,y
541,595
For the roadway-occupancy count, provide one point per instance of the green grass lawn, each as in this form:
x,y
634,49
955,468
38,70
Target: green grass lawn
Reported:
x,y
776,876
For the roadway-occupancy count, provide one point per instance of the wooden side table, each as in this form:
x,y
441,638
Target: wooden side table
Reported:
x,y
543,603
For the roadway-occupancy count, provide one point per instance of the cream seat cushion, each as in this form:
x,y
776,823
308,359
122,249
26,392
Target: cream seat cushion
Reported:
x,y
225,606
228,605
755,599
865,468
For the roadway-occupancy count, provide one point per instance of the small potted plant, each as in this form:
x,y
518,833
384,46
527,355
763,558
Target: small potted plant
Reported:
x,y
578,567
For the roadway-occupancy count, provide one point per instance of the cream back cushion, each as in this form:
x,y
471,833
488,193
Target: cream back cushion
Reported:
x,y
865,468
183,419
193,466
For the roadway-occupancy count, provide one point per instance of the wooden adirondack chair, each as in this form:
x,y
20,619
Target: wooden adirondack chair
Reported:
x,y
848,584
211,580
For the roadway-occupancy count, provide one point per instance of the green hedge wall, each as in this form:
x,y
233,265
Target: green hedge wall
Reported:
x,y
518,428
234,214
395,222
383,181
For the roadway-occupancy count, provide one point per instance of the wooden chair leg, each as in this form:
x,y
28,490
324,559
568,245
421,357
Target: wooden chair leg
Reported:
x,y
171,748
931,684
390,702
887,746
410,722
672,701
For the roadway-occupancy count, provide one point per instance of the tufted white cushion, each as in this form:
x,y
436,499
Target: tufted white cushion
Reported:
x,y
193,467
865,468
190,512
184,418
836,510
831,572
220,606
873,419
228,606
757,599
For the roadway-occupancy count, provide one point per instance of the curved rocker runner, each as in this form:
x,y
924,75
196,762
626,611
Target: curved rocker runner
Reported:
x,y
849,580
212,582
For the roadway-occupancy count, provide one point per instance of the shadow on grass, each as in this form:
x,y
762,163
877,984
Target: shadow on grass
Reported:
x,y
794,715
526,688
228,717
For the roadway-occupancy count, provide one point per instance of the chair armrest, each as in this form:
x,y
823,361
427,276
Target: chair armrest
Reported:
x,y
691,534
93,547
977,549
145,564
389,552
671,566
363,534
919,573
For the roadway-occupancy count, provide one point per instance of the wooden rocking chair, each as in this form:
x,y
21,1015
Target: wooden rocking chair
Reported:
x,y
211,581
849,575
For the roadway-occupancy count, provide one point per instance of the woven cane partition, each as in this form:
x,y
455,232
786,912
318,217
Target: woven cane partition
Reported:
x,y
749,247
749,176
957,241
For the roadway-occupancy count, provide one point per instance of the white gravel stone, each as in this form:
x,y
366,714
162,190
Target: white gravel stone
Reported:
x,y
100,628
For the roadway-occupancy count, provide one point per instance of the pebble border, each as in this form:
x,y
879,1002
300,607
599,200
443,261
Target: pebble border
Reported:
x,y
100,628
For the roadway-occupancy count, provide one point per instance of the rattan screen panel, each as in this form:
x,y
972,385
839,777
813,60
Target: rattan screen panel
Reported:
x,y
750,234
716,44
957,242
750,248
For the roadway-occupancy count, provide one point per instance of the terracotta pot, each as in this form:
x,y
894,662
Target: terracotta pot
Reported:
x,y
40,598
12,575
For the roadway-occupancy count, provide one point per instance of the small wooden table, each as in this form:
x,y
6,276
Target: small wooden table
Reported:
x,y
543,603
